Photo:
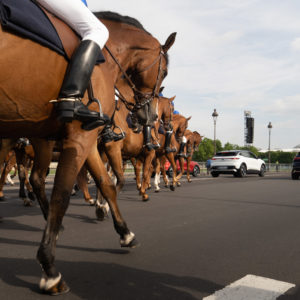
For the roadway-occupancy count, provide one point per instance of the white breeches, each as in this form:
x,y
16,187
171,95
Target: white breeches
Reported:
x,y
79,18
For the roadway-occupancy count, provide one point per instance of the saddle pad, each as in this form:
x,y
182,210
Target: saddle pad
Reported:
x,y
26,19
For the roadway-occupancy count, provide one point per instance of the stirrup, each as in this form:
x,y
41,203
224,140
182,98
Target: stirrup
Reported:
x,y
151,146
169,149
109,135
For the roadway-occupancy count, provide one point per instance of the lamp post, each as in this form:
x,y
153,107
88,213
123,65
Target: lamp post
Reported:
x,y
270,127
215,115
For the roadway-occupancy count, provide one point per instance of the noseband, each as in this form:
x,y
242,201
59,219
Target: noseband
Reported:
x,y
141,98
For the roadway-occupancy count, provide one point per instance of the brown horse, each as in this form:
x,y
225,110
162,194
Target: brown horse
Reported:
x,y
193,141
23,156
180,124
33,76
130,147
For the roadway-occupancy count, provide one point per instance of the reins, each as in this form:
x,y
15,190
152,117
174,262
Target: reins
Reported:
x,y
141,98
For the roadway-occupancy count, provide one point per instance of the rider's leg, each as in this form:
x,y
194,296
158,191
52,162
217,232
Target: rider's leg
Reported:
x,y
94,35
168,137
181,152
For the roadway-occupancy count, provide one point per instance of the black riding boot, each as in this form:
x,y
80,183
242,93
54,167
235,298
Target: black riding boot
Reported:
x,y
109,135
181,150
147,138
168,136
69,106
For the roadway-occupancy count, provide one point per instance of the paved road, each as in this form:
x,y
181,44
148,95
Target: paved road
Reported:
x,y
194,241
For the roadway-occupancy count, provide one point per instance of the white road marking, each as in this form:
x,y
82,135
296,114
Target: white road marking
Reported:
x,y
252,287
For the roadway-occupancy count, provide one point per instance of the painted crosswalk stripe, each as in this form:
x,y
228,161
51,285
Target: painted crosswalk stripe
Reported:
x,y
252,287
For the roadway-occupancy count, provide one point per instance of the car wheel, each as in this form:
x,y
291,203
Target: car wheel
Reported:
x,y
170,172
196,171
214,174
235,174
242,171
262,171
295,176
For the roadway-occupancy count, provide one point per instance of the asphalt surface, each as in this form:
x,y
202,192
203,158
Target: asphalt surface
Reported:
x,y
194,241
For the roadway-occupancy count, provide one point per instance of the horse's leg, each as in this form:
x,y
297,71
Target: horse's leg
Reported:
x,y
75,151
147,174
137,169
43,150
114,155
29,188
188,163
108,190
163,170
157,175
181,162
172,161
83,185
22,178
5,146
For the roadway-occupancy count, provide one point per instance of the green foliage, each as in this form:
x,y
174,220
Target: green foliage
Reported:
x,y
281,157
206,149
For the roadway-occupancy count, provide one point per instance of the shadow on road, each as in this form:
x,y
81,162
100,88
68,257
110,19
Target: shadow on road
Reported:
x,y
106,281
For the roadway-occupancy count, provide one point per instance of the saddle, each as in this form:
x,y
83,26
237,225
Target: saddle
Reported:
x,y
28,19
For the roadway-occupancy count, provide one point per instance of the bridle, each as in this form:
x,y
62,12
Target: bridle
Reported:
x,y
141,98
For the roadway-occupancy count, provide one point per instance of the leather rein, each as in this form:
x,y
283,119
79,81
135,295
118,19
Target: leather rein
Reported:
x,y
141,98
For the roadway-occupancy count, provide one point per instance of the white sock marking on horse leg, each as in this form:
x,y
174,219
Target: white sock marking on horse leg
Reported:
x,y
46,284
128,238
156,181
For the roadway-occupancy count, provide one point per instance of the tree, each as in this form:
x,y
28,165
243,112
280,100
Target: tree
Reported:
x,y
206,149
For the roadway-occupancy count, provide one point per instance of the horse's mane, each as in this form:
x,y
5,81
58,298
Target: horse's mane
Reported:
x,y
113,16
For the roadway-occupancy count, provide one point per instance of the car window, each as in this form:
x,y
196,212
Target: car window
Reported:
x,y
245,154
252,155
231,153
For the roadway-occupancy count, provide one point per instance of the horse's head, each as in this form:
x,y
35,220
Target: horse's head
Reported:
x,y
180,125
197,139
165,111
148,69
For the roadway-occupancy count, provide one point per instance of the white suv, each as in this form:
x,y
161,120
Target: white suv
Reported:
x,y
237,162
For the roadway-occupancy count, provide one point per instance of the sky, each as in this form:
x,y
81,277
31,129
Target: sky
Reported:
x,y
232,56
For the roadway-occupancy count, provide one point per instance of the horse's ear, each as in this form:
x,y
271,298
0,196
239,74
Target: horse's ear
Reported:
x,y
169,42
172,99
161,89
188,118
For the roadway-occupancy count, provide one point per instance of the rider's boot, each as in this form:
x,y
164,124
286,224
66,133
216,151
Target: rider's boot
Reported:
x,y
147,139
168,137
108,135
69,106
181,150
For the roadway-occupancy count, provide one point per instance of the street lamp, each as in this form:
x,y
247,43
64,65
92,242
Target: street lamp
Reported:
x,y
270,127
215,115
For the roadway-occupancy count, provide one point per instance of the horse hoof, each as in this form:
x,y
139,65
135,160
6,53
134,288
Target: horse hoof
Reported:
x,y
146,198
178,184
129,241
58,288
2,199
100,214
27,203
172,188
31,196
157,191
91,202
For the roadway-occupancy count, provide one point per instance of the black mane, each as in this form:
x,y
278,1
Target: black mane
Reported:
x,y
113,16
